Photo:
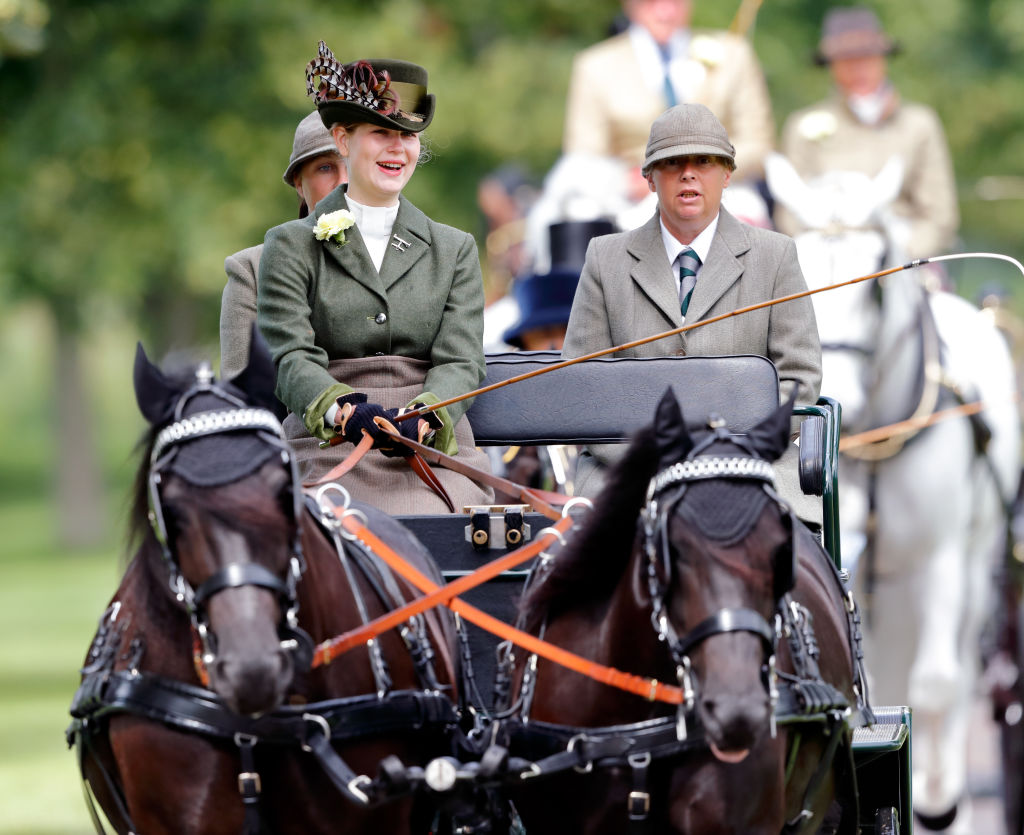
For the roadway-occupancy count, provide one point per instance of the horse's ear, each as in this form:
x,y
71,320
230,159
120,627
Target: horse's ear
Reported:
x,y
154,393
888,182
788,188
258,377
770,437
670,433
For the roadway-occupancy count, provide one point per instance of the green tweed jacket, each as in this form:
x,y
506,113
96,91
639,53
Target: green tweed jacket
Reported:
x,y
319,301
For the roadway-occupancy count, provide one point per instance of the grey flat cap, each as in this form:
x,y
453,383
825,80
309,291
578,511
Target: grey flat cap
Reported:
x,y
687,130
311,140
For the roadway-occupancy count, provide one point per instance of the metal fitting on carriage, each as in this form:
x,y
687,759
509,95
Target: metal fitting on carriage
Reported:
x,y
479,530
514,525
497,526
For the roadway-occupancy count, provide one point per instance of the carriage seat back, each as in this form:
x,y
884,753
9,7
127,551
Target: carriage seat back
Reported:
x,y
606,400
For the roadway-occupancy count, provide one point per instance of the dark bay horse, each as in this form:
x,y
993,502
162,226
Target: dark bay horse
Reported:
x,y
692,571
199,711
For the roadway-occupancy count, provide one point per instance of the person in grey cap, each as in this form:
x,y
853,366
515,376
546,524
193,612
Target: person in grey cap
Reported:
x,y
693,260
314,170
863,124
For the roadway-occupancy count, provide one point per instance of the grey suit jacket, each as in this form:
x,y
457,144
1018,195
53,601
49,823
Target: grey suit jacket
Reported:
x,y
627,291
238,310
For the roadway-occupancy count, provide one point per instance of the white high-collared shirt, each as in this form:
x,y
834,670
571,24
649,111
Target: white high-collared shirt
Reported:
x,y
700,245
375,224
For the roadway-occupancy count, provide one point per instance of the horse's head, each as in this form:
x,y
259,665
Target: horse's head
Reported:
x,y
223,507
720,555
849,232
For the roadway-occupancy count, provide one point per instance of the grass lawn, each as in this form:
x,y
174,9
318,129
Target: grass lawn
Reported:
x,y
49,606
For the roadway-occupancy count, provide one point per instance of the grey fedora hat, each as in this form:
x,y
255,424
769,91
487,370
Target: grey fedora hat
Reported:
x,y
687,130
852,32
381,91
311,140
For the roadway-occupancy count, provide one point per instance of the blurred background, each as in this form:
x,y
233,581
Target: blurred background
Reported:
x,y
142,143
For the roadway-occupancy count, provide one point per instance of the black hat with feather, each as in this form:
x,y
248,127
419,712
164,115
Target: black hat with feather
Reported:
x,y
382,91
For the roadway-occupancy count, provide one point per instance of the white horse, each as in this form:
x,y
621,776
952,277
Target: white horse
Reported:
x,y
922,514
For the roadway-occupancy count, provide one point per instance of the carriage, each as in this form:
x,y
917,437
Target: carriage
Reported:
x,y
469,782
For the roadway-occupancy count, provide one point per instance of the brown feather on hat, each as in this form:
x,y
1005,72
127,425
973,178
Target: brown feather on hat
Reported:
x,y
381,91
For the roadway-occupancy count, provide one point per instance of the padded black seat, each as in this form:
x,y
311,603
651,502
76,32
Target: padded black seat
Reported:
x,y
597,401
606,400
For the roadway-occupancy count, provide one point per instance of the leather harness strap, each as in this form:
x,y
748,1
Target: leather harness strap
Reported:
x,y
544,501
649,688
331,649
341,469
422,469
419,466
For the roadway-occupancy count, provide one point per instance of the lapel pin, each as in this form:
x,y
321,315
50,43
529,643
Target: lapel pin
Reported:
x,y
400,244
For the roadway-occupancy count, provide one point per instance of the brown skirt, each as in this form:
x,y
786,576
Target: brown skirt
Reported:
x,y
389,483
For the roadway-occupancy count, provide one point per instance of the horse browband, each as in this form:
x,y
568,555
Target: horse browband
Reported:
x,y
212,423
710,466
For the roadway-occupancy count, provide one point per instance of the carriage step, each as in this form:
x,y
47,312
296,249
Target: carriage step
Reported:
x,y
889,733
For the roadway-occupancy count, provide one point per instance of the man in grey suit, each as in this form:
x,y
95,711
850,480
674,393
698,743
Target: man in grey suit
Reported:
x,y
314,170
693,260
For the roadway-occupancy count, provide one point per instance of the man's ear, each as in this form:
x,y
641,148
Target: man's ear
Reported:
x,y
650,181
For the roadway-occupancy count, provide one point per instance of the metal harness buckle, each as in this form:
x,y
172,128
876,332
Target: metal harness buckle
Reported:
x,y
639,805
249,783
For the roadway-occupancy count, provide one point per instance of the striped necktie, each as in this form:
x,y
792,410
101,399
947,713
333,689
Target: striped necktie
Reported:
x,y
666,65
689,263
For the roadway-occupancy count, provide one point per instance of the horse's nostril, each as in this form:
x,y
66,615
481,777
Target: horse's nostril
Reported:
x,y
255,685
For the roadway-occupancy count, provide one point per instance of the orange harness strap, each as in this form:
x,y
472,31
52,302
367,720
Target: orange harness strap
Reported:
x,y
353,458
331,649
648,688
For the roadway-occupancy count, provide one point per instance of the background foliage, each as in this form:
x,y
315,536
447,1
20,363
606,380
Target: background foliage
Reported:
x,y
141,143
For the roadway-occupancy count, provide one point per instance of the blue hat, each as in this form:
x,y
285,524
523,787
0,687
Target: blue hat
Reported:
x,y
544,299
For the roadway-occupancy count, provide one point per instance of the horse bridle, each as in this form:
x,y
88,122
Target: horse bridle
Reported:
x,y
673,481
237,418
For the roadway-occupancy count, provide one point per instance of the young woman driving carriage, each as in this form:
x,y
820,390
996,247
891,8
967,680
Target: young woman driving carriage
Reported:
x,y
368,305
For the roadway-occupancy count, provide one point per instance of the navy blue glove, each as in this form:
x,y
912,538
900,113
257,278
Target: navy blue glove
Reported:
x,y
356,415
419,429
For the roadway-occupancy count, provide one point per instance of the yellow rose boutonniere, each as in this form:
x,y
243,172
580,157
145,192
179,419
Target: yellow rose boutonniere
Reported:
x,y
332,226
817,125
708,50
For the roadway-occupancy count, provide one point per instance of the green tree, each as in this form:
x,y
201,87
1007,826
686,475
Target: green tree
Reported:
x,y
140,143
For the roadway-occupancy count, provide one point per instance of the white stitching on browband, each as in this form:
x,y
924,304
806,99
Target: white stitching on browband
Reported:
x,y
209,423
709,466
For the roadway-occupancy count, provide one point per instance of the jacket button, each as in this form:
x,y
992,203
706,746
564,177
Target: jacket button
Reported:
x,y
380,318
